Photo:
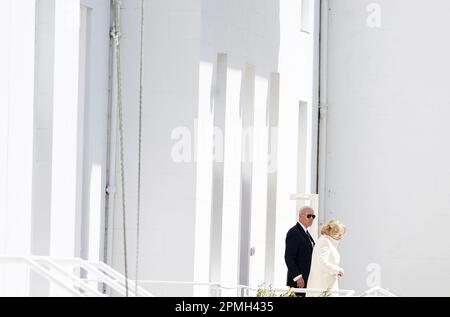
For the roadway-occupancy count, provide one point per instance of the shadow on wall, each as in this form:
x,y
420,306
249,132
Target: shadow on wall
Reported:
x,y
180,36
248,32
240,47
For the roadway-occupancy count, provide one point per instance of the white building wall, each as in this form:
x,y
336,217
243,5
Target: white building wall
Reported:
x,y
298,68
65,204
81,35
387,172
43,119
95,125
183,41
172,45
45,28
387,159
43,209
69,135
249,34
16,139
80,116
90,146
4,117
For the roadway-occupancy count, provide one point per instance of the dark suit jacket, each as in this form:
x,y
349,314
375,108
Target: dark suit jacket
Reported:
x,y
298,254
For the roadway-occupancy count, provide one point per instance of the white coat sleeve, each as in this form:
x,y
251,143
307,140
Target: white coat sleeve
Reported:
x,y
324,260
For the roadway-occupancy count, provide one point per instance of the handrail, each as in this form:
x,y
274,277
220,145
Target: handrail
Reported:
x,y
121,278
76,280
48,268
42,272
378,289
106,275
247,288
101,277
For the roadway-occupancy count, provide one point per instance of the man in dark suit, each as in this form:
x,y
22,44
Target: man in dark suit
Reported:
x,y
299,247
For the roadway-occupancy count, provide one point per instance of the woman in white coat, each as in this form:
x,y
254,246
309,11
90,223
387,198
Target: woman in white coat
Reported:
x,y
325,269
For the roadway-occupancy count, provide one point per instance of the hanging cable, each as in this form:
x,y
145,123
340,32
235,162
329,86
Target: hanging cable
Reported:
x,y
115,33
141,86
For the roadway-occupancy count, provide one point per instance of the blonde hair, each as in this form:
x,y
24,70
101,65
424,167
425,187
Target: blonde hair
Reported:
x,y
333,228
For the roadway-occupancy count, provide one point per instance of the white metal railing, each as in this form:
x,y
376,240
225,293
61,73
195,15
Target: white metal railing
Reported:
x,y
339,292
43,272
77,277
64,273
119,278
82,278
377,291
246,291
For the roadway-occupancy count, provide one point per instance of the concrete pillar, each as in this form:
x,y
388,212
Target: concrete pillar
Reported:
x,y
231,207
16,139
65,206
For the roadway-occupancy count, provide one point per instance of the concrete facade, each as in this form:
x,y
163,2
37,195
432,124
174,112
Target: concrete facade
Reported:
x,y
387,171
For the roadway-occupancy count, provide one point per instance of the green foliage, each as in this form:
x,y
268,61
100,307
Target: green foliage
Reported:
x,y
288,293
326,293
264,291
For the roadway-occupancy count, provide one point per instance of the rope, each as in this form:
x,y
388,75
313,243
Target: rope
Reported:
x,y
141,85
116,36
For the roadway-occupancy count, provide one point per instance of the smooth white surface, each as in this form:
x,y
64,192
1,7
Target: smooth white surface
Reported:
x,y
65,211
272,175
259,184
388,176
43,119
5,24
231,196
217,97
95,128
16,138
183,39
80,103
205,154
180,36
171,75
298,77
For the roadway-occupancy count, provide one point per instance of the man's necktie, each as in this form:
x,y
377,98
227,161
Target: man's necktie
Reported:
x,y
310,238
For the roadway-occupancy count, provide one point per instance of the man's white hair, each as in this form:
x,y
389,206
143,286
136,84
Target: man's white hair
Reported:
x,y
303,209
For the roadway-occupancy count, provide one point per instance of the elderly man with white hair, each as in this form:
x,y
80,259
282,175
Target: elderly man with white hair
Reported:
x,y
299,248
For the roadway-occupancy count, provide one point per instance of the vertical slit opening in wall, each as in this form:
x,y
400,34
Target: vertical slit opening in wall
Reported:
x,y
273,101
218,169
83,178
305,16
247,111
302,149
